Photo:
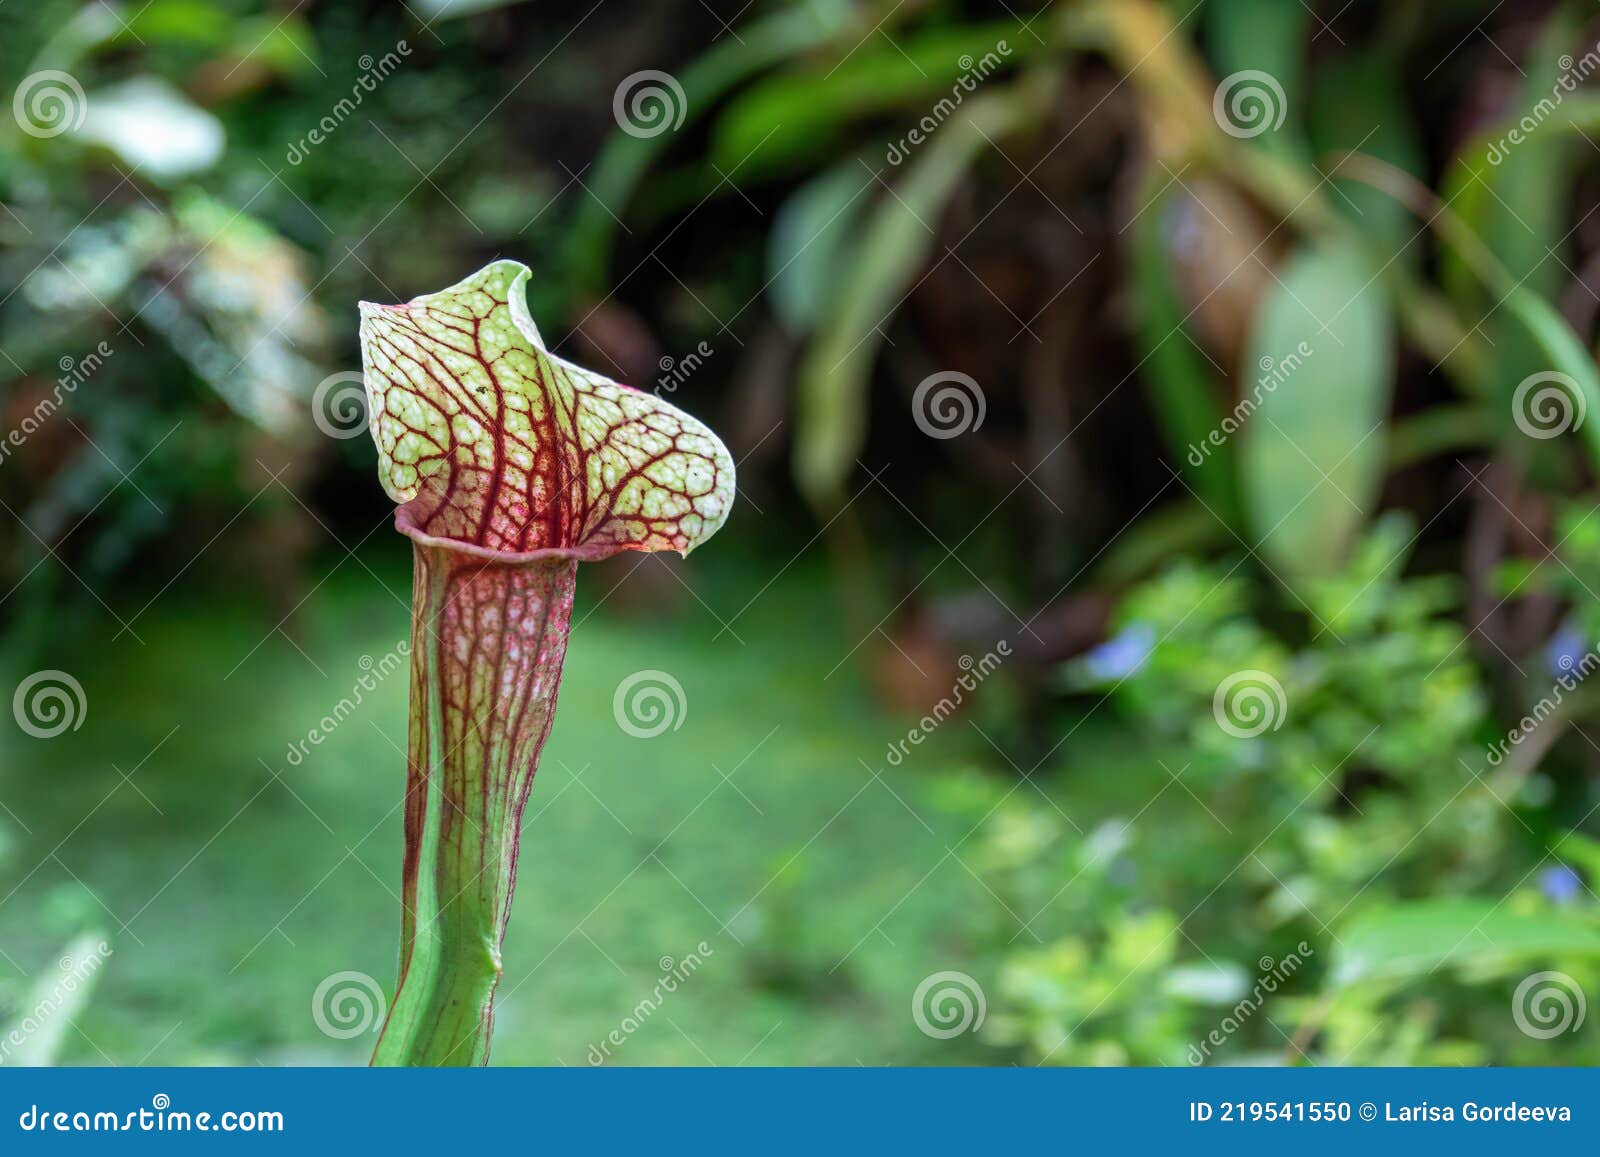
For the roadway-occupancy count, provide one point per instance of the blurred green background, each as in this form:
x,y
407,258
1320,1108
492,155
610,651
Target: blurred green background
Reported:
x,y
1155,621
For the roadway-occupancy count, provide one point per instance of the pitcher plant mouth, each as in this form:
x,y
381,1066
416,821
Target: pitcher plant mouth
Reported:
x,y
509,466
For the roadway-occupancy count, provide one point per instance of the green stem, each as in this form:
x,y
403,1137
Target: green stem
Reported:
x,y
488,640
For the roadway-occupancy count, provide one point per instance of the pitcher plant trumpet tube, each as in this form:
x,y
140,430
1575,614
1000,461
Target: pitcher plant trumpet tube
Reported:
x,y
509,466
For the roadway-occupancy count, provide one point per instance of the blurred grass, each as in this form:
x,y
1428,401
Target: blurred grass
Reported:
x,y
241,891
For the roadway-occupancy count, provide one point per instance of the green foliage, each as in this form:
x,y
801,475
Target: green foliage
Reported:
x,y
1415,940
894,243
1330,819
1312,457
1076,231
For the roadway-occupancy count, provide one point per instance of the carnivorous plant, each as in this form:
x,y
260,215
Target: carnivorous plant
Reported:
x,y
510,466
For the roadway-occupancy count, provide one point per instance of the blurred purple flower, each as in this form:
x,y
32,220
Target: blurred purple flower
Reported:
x,y
1122,654
1560,884
1565,650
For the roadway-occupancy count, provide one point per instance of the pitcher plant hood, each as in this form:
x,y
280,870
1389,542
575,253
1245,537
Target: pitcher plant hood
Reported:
x,y
490,443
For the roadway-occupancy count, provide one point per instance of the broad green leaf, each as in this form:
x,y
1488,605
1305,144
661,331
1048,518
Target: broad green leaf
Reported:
x,y
808,242
1412,940
1319,374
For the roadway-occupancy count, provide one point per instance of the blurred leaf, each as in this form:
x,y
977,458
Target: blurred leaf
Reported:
x,y
445,9
1412,940
1553,338
807,244
1183,388
1581,850
895,243
55,1001
1264,36
1518,208
1358,103
1313,454
787,119
154,127
625,158
176,22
